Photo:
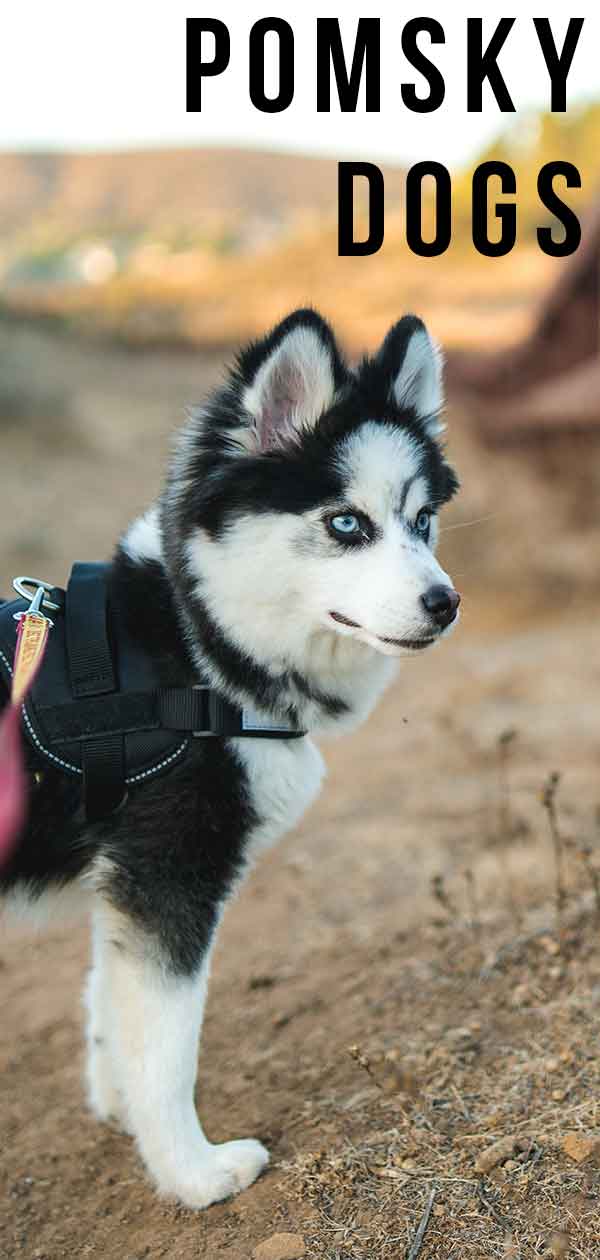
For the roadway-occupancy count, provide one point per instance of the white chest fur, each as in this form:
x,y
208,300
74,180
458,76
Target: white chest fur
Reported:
x,y
284,778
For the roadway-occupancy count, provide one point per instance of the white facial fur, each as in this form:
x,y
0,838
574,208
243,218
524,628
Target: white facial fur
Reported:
x,y
273,580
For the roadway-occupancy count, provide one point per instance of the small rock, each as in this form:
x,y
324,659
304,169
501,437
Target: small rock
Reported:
x,y
456,1035
579,1147
521,996
280,1247
501,1151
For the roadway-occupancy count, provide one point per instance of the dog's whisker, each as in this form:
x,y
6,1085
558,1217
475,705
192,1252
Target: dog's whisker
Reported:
x,y
467,524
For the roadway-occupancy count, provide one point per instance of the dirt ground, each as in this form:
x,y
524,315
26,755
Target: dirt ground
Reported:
x,y
400,984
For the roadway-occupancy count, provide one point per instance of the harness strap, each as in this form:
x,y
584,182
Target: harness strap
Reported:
x,y
91,670
92,673
198,711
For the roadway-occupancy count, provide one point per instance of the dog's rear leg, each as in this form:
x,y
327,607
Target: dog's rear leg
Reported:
x,y
155,1024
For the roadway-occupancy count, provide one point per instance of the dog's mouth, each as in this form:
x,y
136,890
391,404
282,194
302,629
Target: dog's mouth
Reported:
x,y
414,645
345,621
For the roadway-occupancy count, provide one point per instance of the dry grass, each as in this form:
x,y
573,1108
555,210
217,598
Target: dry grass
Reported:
x,y
513,1073
461,1146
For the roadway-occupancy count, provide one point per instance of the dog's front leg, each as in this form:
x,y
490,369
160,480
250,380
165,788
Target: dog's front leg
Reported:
x,y
154,1037
104,1095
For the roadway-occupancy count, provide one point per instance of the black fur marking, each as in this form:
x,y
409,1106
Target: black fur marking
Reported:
x,y
257,485
405,493
333,706
248,677
174,855
390,357
143,592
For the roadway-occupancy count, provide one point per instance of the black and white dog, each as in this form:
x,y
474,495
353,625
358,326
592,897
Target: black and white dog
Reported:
x,y
290,559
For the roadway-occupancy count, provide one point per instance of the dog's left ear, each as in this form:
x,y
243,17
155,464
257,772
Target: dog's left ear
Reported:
x,y
413,364
290,378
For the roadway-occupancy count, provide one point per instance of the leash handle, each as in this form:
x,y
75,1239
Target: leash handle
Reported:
x,y
32,638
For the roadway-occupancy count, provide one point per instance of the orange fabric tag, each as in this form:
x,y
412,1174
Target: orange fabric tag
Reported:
x,y
31,643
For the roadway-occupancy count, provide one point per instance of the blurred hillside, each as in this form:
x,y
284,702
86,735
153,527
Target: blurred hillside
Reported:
x,y
222,199
208,246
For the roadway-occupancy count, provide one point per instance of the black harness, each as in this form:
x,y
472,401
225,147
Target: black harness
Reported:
x,y
97,710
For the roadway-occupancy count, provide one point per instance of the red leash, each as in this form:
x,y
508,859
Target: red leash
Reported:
x,y
32,637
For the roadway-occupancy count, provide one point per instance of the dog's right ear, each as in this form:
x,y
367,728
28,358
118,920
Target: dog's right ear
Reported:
x,y
289,379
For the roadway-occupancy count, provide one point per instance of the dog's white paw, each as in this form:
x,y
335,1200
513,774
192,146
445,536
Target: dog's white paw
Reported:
x,y
220,1172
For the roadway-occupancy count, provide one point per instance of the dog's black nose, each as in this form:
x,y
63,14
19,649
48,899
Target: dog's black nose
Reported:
x,y
441,602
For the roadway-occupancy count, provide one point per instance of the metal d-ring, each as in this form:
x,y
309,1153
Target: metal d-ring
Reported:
x,y
24,586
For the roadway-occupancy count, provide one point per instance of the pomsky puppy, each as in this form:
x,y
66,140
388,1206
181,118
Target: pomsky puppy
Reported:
x,y
290,560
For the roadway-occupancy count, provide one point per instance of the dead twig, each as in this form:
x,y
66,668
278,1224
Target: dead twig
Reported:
x,y
441,895
364,1062
417,1242
473,905
585,853
490,1206
505,825
560,893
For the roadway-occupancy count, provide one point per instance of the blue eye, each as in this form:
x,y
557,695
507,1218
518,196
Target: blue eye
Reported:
x,y
345,524
423,521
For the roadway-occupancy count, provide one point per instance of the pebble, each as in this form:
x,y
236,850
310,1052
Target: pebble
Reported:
x,y
579,1147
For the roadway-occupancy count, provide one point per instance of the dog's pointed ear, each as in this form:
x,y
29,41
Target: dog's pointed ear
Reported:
x,y
290,378
413,364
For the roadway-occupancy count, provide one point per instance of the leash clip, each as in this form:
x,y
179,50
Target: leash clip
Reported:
x,y
38,601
